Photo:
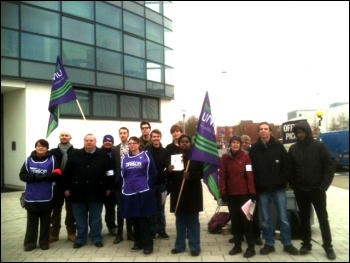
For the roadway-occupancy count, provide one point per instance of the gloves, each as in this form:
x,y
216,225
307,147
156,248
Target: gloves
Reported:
x,y
57,171
224,198
40,177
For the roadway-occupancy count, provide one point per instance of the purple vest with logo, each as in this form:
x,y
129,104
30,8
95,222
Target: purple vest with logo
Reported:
x,y
39,191
135,173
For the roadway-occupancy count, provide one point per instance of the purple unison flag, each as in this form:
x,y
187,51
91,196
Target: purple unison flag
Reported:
x,y
205,148
61,92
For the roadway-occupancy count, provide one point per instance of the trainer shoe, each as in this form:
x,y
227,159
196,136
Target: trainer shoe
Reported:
x,y
291,250
267,250
163,235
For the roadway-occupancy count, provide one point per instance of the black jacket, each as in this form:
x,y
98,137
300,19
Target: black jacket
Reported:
x,y
191,200
268,165
86,177
58,155
310,166
161,157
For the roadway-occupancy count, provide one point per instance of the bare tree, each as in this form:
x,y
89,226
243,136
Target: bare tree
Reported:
x,y
190,125
334,125
343,121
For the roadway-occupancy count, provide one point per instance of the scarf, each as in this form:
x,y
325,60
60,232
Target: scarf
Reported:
x,y
64,149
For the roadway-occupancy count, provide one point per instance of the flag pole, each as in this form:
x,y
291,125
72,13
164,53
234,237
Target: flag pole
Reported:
x,y
182,186
82,114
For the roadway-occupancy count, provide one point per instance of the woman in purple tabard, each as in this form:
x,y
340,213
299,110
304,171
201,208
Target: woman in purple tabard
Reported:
x,y
139,201
39,171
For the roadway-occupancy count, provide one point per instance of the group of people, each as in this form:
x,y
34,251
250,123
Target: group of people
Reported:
x,y
137,175
261,173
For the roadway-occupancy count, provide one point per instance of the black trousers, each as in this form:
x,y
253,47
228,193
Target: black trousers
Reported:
x,y
240,224
31,236
110,203
318,199
142,232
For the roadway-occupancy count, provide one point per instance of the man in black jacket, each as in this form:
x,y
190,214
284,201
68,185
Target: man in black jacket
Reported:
x,y
311,171
62,153
161,157
88,178
268,157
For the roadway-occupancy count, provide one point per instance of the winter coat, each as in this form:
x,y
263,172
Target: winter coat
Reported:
x,y
191,200
88,175
268,165
236,176
161,157
310,165
58,155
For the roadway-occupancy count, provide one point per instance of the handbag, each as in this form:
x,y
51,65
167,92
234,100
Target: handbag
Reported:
x,y
22,200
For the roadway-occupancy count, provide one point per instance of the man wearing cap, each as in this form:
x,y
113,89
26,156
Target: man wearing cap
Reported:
x,y
110,200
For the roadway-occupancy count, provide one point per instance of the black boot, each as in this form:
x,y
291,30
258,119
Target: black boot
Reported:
x,y
236,249
250,252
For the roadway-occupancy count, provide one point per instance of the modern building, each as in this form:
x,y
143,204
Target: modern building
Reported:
x,y
117,54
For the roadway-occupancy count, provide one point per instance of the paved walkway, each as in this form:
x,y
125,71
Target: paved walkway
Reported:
x,y
215,248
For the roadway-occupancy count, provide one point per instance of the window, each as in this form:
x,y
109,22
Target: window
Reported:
x,y
109,38
109,105
150,109
154,32
78,31
78,55
134,46
72,109
40,21
104,104
84,9
109,61
39,48
134,24
134,67
108,15
9,43
155,52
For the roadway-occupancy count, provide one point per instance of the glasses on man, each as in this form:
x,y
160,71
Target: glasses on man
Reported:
x,y
144,128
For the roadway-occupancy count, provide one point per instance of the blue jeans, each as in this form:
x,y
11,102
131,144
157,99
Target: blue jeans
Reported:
x,y
88,213
188,224
278,198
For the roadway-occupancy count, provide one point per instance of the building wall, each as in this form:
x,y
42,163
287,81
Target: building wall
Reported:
x,y
26,118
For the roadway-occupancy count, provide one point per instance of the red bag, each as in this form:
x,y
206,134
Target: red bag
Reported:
x,y
218,221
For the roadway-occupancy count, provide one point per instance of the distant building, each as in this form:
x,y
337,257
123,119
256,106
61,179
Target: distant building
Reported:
x,y
333,118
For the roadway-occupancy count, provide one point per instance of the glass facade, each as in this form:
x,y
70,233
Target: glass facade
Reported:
x,y
117,54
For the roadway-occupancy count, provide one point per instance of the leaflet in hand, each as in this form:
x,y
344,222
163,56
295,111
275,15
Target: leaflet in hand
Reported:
x,y
177,161
248,209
